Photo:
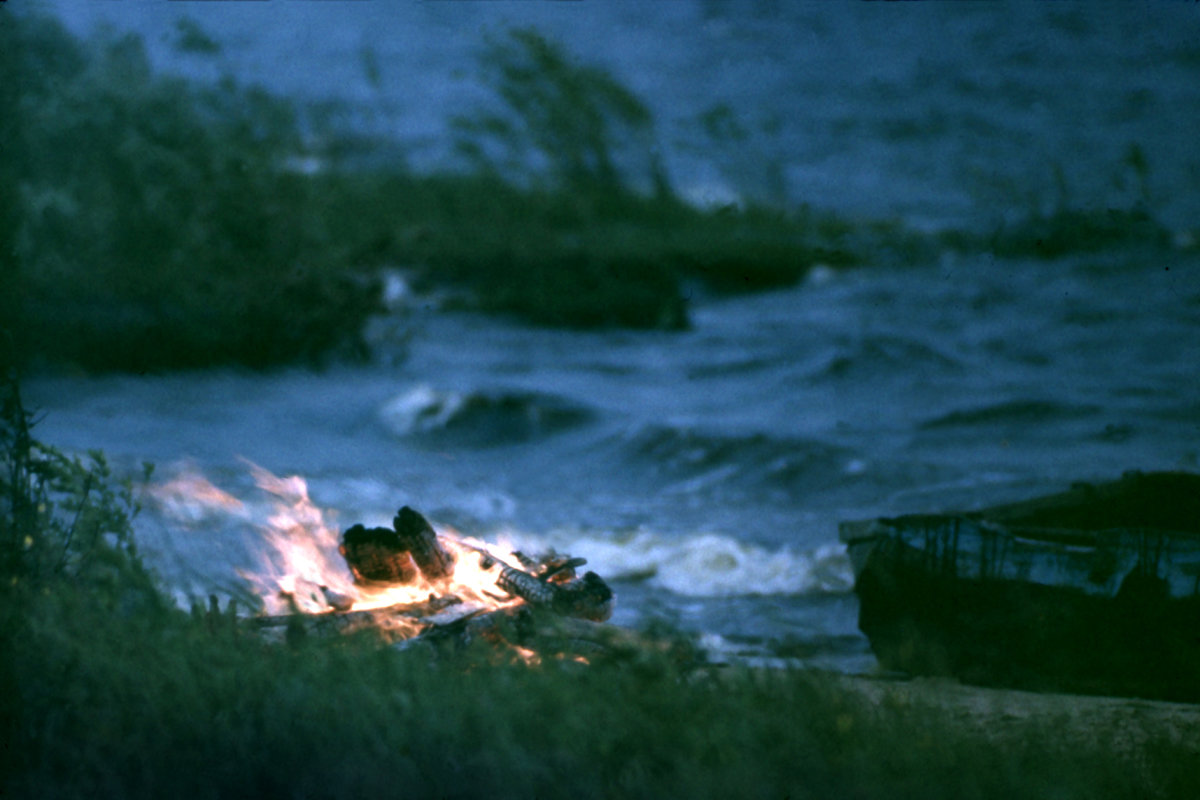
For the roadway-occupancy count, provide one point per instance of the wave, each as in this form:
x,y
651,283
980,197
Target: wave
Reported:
x,y
1011,412
876,355
699,458
481,418
702,564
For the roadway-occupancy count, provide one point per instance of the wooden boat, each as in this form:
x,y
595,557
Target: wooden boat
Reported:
x,y
1093,590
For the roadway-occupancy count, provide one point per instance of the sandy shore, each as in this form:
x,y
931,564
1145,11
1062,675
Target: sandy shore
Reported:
x,y
1127,724
1135,735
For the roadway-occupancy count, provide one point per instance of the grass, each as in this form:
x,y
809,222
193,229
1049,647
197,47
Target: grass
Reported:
x,y
146,705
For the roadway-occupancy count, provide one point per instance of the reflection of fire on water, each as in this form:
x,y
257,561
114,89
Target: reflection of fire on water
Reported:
x,y
396,579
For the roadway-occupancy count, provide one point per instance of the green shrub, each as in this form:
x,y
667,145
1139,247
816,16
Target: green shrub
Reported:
x,y
575,124
155,223
1073,230
1071,222
63,520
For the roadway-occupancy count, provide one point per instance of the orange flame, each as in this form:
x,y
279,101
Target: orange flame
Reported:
x,y
302,566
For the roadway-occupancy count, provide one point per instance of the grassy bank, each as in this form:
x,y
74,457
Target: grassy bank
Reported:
x,y
108,690
141,705
134,707
572,259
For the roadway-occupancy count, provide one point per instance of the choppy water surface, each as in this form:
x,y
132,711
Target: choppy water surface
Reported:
x,y
703,473
937,112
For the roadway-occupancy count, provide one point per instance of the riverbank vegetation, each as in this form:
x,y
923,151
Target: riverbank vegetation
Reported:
x,y
107,689
151,222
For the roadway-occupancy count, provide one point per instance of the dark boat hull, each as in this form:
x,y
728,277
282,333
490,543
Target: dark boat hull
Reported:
x,y
1111,611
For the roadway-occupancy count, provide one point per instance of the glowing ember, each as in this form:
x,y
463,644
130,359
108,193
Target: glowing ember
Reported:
x,y
526,655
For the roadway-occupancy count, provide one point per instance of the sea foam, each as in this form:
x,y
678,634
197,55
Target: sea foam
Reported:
x,y
701,564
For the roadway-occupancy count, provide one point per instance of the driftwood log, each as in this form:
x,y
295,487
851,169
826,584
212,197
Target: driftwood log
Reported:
x,y
554,634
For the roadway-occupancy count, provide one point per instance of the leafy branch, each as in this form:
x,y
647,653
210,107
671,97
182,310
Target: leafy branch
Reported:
x,y
60,517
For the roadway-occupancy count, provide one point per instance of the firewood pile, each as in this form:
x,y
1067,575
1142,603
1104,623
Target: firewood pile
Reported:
x,y
536,607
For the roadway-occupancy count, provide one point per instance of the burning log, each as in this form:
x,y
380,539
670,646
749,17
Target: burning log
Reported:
x,y
377,555
418,537
400,555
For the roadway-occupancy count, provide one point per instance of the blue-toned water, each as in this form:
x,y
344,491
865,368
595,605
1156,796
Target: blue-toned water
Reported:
x,y
936,113
703,473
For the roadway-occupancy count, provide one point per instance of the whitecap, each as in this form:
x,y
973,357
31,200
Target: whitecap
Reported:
x,y
421,409
701,564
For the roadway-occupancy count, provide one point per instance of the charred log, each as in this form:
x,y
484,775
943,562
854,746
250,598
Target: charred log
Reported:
x,y
525,586
377,555
559,569
588,597
417,536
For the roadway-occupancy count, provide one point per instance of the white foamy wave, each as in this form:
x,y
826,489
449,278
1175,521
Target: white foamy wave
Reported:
x,y
482,418
421,409
701,565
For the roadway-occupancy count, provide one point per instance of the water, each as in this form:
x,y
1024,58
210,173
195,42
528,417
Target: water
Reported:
x,y
939,113
703,473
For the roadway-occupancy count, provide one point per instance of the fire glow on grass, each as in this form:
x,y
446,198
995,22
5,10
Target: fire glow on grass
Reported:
x,y
300,566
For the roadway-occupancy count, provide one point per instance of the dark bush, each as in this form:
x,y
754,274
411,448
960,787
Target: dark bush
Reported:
x,y
155,223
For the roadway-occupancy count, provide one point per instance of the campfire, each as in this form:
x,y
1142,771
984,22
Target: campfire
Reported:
x,y
407,583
